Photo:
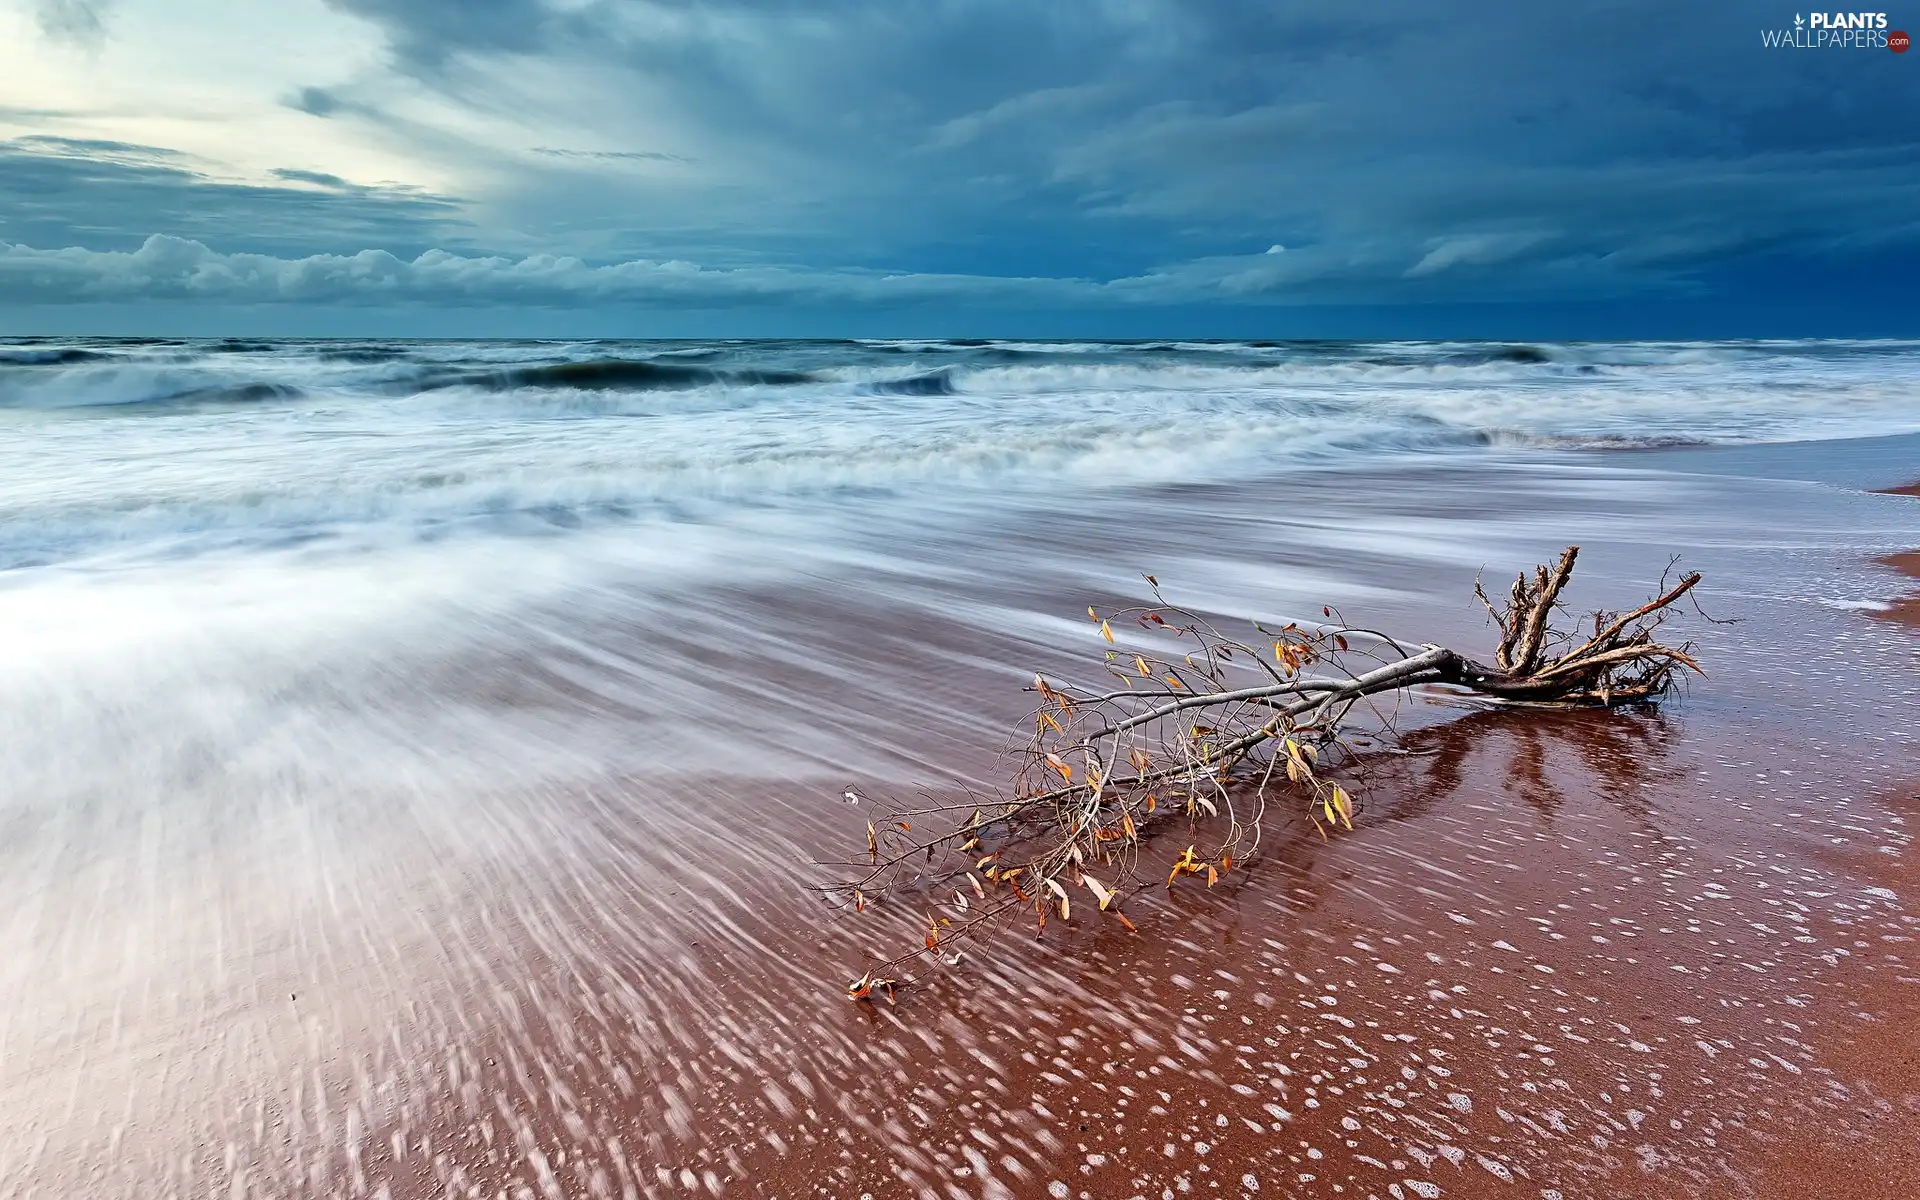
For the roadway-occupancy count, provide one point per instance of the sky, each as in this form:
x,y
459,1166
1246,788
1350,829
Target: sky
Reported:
x,y
1066,168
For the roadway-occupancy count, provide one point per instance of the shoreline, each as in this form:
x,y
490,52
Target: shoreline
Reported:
x,y
1635,953
1904,610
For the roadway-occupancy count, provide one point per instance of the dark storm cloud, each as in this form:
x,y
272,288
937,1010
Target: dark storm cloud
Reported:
x,y
315,102
317,178
109,195
1549,142
426,32
82,22
1130,151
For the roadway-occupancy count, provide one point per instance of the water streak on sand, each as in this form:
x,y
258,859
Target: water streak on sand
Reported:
x,y
407,777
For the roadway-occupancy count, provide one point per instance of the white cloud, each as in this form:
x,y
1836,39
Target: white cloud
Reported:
x,y
204,77
1044,102
172,269
177,268
1475,249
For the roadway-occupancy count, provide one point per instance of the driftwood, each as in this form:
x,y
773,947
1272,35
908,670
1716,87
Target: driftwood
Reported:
x,y
1209,734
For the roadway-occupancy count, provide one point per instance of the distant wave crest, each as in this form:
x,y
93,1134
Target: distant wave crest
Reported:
x,y
163,447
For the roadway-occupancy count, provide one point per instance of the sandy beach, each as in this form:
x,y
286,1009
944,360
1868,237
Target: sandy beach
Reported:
x,y
513,898
1905,609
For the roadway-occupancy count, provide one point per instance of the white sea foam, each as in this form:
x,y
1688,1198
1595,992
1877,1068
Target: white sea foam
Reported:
x,y
155,450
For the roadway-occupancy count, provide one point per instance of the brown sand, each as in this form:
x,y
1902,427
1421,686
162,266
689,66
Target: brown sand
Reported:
x,y
1563,955
1906,609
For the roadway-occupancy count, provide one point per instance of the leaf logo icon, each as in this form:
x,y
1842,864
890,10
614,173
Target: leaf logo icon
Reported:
x,y
1798,20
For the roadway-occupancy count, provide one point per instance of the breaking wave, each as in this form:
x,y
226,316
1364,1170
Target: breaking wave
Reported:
x,y
164,447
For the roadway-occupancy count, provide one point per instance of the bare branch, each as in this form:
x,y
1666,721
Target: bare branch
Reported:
x,y
1190,738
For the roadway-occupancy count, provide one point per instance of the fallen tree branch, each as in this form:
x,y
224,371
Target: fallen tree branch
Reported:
x,y
1185,737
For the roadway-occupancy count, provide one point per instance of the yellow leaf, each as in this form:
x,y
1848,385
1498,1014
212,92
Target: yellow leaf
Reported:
x,y
1146,672
873,842
1343,805
1106,631
1173,682
1101,891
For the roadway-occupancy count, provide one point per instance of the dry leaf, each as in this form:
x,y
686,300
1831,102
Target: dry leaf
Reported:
x,y
1342,804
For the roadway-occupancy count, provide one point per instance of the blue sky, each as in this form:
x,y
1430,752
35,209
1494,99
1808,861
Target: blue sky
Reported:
x,y
1123,167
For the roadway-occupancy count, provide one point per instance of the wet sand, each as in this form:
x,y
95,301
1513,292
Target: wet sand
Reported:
x,y
1629,954
1904,609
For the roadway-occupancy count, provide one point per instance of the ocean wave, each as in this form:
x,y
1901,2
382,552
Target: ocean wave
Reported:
x,y
933,383
153,391
54,356
185,447
626,375
363,354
